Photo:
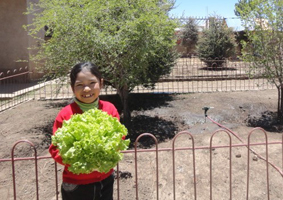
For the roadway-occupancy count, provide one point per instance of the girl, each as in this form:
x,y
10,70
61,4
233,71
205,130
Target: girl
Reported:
x,y
86,83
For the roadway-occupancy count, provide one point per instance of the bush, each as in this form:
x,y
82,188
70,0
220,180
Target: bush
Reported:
x,y
216,43
190,35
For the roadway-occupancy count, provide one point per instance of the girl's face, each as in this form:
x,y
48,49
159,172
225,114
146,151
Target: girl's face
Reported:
x,y
87,86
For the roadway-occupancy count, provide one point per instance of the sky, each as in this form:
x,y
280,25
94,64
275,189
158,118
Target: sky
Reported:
x,y
206,8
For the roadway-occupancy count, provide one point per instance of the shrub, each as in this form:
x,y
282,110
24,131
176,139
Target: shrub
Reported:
x,y
216,43
190,35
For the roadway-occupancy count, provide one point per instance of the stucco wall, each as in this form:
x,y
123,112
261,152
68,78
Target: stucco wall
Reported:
x,y
13,38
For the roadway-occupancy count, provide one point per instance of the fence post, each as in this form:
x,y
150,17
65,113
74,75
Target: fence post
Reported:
x,y
136,163
13,167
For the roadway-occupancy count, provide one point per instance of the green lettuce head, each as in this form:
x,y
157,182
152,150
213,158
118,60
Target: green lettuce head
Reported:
x,y
91,141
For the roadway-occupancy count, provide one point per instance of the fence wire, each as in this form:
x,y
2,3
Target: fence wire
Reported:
x,y
189,75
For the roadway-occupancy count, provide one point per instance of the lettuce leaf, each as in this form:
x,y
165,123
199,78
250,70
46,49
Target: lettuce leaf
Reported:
x,y
91,141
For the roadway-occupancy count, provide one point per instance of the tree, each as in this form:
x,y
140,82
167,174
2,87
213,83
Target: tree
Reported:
x,y
216,43
241,5
130,40
263,21
190,35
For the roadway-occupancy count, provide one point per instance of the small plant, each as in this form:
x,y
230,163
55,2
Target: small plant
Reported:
x,y
217,43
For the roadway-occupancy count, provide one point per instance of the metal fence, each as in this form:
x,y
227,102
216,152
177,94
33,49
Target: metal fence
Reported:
x,y
189,75
248,170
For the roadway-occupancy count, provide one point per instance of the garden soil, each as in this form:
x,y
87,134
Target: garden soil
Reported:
x,y
164,116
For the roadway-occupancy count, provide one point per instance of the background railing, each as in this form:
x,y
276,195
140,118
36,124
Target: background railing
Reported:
x,y
189,75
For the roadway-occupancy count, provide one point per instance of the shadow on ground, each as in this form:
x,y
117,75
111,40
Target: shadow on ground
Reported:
x,y
143,101
162,129
45,130
267,120
218,69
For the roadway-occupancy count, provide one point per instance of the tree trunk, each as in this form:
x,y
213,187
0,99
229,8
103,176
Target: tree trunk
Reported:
x,y
280,104
124,96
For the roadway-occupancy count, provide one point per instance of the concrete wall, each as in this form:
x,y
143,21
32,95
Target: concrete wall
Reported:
x,y
13,38
14,41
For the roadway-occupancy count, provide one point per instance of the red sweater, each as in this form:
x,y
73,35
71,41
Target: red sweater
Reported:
x,y
66,114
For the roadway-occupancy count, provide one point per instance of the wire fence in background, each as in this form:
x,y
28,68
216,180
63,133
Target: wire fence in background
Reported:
x,y
189,75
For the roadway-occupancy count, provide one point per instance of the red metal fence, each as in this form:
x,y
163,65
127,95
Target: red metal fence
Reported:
x,y
189,75
226,168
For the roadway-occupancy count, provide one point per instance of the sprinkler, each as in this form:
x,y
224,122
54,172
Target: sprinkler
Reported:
x,y
206,108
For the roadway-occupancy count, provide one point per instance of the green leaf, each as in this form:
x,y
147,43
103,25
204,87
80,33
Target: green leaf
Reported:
x,y
91,141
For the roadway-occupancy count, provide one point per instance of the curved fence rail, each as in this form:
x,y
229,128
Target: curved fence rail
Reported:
x,y
156,173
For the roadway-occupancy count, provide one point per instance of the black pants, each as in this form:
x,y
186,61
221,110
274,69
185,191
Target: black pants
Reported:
x,y
95,191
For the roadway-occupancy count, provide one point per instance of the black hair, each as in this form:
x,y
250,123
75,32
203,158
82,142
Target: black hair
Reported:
x,y
79,67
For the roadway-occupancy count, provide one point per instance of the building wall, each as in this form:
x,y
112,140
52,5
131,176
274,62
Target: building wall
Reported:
x,y
14,40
